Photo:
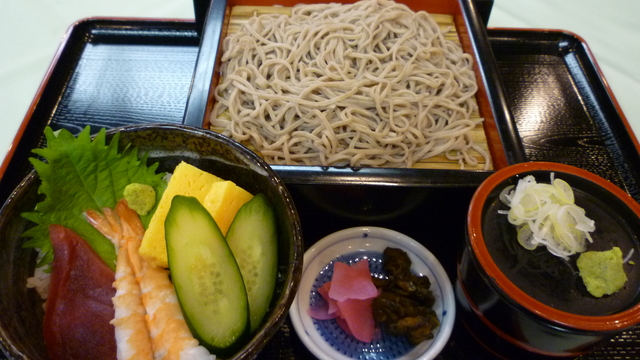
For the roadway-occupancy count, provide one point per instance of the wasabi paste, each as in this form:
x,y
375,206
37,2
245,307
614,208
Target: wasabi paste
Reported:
x,y
140,197
602,271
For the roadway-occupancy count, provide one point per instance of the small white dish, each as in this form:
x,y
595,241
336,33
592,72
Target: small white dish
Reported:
x,y
325,339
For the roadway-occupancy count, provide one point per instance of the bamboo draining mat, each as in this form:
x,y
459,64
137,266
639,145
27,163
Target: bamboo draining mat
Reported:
x,y
239,15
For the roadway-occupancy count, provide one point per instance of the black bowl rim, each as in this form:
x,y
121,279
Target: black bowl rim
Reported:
x,y
617,321
292,277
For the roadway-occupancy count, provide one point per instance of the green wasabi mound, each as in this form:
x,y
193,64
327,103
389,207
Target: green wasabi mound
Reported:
x,y
141,198
602,271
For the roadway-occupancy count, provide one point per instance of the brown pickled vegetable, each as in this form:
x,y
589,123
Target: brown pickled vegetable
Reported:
x,y
404,306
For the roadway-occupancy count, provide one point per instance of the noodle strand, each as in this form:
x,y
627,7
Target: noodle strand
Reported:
x,y
367,84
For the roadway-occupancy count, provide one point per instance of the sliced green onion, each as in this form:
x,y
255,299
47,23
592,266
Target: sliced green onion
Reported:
x,y
564,192
525,237
546,214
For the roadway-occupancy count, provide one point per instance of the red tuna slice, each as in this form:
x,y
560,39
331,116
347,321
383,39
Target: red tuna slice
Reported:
x,y
359,318
352,282
79,307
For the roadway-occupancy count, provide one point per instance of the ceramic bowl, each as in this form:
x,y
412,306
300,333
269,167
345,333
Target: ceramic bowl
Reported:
x,y
21,311
533,300
324,338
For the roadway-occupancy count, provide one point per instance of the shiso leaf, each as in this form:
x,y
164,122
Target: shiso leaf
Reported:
x,y
80,174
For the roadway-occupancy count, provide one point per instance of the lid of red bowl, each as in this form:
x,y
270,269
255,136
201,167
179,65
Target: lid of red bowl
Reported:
x,y
545,284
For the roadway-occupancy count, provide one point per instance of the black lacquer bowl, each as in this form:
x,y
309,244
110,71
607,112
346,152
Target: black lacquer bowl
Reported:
x,y
21,311
535,301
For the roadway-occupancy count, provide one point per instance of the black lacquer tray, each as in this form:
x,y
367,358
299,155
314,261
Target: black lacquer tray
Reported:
x,y
563,109
108,73
547,75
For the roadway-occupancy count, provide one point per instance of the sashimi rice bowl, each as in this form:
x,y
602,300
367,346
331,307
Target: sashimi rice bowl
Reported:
x,y
146,242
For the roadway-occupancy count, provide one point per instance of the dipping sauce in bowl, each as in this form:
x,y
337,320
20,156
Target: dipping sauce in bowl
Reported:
x,y
532,298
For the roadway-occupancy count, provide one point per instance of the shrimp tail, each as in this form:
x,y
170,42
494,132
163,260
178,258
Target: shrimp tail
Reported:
x,y
107,225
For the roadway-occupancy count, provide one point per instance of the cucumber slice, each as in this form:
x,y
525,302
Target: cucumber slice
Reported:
x,y
206,276
253,238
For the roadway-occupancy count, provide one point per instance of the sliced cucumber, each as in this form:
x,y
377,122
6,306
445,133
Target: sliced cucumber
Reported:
x,y
206,276
253,238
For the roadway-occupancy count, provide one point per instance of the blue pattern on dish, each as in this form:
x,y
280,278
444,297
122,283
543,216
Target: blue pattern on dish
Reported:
x,y
386,348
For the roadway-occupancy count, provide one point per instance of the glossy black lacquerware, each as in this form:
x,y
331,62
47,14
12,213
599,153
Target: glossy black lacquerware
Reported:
x,y
563,108
553,280
21,313
108,73
532,299
434,207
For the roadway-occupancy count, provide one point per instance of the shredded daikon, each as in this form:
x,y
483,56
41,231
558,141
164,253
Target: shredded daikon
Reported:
x,y
545,214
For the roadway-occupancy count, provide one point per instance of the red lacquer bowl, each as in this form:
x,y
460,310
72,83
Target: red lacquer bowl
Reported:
x,y
536,301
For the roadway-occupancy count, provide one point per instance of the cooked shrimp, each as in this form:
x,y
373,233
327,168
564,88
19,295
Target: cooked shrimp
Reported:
x,y
130,314
131,332
170,336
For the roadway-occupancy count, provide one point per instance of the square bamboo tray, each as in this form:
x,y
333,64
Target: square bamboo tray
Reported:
x,y
496,134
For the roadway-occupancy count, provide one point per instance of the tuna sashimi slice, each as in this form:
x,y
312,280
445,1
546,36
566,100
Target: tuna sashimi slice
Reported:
x,y
352,282
79,307
359,318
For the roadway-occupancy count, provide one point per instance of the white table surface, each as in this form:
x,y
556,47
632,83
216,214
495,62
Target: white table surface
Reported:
x,y
31,31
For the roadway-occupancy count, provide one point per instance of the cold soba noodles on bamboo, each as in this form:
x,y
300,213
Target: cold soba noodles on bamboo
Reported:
x,y
367,84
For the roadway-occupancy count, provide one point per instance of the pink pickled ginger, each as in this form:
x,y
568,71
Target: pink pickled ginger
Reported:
x,y
348,297
327,310
359,317
352,282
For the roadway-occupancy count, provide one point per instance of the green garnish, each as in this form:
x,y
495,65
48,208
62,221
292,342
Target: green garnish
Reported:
x,y
81,174
141,198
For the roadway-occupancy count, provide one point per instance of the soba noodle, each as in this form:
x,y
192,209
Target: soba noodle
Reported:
x,y
367,84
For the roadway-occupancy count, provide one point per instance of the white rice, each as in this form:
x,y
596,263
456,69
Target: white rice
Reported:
x,y
40,281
